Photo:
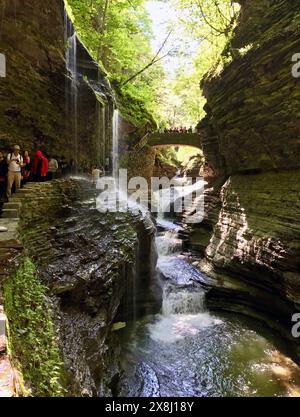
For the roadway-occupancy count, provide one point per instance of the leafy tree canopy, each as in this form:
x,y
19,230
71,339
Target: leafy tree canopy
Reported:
x,y
118,34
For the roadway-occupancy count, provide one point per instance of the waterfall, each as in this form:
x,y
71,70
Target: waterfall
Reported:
x,y
168,243
103,123
100,136
72,88
116,138
181,293
183,312
182,301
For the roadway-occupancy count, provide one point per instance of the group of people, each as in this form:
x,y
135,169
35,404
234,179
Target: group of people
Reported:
x,y
177,130
16,169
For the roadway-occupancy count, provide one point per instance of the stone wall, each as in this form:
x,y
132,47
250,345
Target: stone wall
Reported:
x,y
139,163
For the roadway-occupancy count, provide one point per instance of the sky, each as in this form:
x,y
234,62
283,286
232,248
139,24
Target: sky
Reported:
x,y
164,16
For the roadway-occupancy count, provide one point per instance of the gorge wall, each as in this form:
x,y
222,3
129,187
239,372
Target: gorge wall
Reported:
x,y
252,233
37,94
68,283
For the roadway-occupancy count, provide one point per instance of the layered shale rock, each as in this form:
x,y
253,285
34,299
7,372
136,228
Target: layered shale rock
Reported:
x,y
87,262
253,104
252,142
36,94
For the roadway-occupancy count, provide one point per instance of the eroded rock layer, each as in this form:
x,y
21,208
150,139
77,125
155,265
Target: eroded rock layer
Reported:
x,y
253,104
37,102
88,262
252,142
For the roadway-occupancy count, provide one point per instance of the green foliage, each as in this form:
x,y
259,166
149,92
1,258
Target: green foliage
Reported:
x,y
208,23
168,156
31,334
118,35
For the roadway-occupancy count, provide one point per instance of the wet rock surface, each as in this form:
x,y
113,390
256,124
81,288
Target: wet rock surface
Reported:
x,y
85,258
250,234
253,253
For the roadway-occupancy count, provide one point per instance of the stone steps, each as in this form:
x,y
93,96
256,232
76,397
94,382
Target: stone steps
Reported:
x,y
16,205
10,213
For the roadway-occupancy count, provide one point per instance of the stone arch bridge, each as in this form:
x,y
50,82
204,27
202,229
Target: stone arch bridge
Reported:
x,y
158,139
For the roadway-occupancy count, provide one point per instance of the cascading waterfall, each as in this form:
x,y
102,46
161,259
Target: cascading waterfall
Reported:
x,y
101,136
186,351
72,88
182,296
179,197
184,301
183,311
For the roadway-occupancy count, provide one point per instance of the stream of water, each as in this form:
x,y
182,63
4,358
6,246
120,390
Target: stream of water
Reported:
x,y
185,350
72,86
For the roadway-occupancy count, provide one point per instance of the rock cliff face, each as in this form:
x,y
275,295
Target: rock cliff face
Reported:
x,y
36,93
252,141
88,263
253,105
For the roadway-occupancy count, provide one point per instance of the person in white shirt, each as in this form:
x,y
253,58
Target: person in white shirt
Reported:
x,y
95,174
15,163
52,168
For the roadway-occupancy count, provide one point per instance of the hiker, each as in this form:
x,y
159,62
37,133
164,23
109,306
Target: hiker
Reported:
x,y
3,177
52,168
15,164
40,167
95,172
26,170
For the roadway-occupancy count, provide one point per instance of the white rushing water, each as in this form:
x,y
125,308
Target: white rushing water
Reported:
x,y
183,312
103,125
99,141
184,196
116,140
72,88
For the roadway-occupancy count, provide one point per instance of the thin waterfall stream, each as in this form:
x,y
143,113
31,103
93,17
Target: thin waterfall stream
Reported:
x,y
72,85
115,142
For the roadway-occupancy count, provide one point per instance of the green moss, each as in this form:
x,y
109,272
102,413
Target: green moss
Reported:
x,y
32,339
133,110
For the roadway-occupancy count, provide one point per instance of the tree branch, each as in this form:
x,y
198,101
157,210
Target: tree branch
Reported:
x,y
153,61
207,21
225,19
145,68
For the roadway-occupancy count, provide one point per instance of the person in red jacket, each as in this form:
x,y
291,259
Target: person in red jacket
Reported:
x,y
40,167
